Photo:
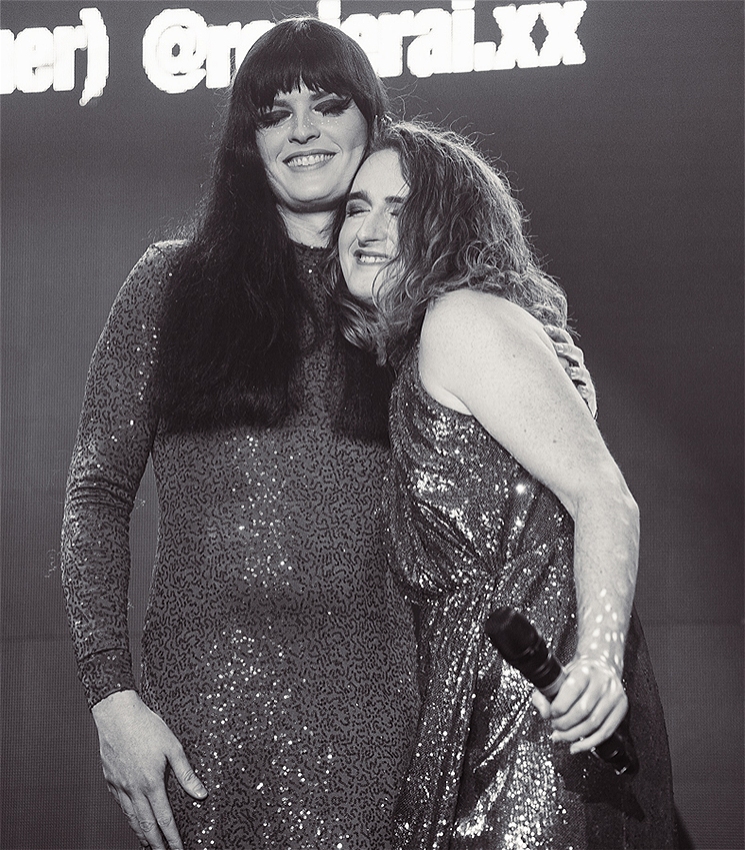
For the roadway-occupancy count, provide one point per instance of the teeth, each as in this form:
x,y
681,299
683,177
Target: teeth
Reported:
x,y
371,260
309,159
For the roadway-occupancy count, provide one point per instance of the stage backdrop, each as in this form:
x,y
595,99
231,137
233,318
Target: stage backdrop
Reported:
x,y
621,126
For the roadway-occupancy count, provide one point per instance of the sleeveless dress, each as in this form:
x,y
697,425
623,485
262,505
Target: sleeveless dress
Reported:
x,y
276,647
469,531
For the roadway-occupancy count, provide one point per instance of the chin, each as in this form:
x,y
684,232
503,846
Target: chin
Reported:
x,y
365,292
320,200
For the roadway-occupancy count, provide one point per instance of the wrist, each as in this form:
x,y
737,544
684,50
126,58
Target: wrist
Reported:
x,y
608,657
115,702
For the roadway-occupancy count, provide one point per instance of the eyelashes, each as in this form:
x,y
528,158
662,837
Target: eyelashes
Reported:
x,y
270,118
333,106
353,210
393,211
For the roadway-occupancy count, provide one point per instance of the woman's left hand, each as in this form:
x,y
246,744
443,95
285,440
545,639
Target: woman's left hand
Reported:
x,y
573,360
589,706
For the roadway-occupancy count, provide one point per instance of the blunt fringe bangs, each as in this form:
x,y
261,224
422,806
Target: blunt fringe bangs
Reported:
x,y
231,330
459,227
321,56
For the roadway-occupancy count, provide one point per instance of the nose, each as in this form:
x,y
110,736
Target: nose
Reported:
x,y
303,127
373,228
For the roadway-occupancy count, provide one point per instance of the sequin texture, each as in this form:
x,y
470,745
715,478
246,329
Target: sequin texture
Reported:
x,y
469,530
276,647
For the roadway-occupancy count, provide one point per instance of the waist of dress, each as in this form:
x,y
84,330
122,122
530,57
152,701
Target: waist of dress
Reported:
x,y
445,572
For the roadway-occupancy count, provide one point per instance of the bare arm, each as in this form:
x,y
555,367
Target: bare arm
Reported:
x,y
485,356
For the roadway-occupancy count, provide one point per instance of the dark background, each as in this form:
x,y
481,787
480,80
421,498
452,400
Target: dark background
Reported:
x,y
631,166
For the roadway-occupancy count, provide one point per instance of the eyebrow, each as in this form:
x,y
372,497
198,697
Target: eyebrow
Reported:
x,y
363,196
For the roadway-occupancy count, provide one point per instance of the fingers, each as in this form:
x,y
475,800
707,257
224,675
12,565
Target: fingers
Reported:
x,y
151,819
589,706
587,394
556,334
143,822
572,359
186,777
164,823
126,806
542,704
136,749
576,725
564,346
587,686
582,380
610,725
578,374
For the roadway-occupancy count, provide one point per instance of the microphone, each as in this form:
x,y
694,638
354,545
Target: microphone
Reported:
x,y
524,649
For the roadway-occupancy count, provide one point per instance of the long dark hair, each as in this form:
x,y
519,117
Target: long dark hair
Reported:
x,y
459,226
231,326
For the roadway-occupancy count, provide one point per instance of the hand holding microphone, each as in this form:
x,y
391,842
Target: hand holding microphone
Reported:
x,y
523,648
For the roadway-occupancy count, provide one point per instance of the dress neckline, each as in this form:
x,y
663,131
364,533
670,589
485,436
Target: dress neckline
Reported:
x,y
310,250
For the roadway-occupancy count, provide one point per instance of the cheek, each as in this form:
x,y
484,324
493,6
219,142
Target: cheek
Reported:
x,y
351,164
347,272
392,246
348,234
263,144
355,138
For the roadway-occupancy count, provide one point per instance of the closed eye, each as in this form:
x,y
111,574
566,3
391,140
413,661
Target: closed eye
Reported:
x,y
272,117
355,209
334,105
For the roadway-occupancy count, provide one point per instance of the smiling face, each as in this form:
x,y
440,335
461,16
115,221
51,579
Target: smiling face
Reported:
x,y
368,239
311,143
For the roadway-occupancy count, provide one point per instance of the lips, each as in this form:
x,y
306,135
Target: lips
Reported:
x,y
308,160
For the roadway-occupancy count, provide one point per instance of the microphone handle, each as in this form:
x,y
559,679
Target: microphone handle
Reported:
x,y
521,646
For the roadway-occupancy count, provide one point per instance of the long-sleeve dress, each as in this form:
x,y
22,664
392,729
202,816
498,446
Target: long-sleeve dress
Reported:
x,y
275,646
470,530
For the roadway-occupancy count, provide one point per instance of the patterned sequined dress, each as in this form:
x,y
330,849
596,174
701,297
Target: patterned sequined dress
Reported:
x,y
471,531
275,646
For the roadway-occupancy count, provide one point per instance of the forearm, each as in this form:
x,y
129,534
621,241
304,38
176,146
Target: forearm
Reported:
x,y
95,576
605,568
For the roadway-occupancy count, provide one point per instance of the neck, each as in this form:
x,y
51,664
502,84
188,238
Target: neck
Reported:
x,y
308,228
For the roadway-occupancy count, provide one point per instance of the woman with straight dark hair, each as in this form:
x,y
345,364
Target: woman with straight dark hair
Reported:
x,y
501,494
277,663
278,681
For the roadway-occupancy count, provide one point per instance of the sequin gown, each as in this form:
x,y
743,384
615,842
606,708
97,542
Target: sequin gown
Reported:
x,y
470,531
275,646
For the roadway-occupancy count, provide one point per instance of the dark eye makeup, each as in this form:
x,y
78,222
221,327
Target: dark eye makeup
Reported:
x,y
328,104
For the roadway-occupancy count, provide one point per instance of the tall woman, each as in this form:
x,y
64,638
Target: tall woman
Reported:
x,y
277,664
501,492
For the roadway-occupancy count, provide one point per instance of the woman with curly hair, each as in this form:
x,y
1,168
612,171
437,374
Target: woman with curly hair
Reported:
x,y
501,492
